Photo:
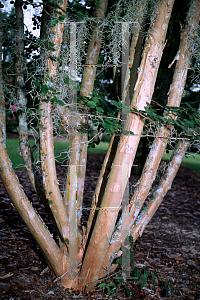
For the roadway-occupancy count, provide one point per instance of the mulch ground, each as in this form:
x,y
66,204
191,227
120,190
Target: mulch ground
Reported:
x,y
169,247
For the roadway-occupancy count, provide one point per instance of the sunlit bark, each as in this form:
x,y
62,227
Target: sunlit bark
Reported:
x,y
160,142
84,255
78,140
110,155
163,187
127,147
50,180
15,191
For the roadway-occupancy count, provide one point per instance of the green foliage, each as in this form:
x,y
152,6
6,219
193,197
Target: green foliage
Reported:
x,y
104,114
136,275
184,119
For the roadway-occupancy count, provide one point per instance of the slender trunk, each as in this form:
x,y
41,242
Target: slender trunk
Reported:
x,y
30,217
78,141
110,155
50,180
135,53
120,171
24,207
163,187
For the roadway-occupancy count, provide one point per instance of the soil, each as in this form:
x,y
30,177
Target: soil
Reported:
x,y
169,247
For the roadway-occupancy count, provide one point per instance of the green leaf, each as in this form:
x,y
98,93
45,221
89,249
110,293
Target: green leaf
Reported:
x,y
137,275
111,284
108,126
117,104
144,280
44,90
100,110
171,288
108,290
95,94
188,105
97,3
95,99
66,241
154,280
127,291
37,84
56,100
53,23
91,104
43,39
51,44
102,285
127,132
62,18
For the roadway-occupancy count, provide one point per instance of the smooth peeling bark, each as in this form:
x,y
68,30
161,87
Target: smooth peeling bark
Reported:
x,y
29,215
73,198
101,183
174,99
24,207
126,151
50,180
134,62
151,57
184,54
163,187
105,170
93,50
85,91
78,141
159,144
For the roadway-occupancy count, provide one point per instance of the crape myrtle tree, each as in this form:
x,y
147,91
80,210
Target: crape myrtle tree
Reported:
x,y
66,90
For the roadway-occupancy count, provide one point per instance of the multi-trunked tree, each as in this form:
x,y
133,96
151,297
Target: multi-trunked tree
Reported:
x,y
82,255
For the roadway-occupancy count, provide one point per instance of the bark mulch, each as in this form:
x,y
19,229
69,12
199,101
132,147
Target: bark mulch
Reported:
x,y
169,247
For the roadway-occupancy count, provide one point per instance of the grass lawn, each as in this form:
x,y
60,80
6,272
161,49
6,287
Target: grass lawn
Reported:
x,y
60,151
61,148
192,161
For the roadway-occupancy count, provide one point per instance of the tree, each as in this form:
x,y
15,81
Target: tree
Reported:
x,y
80,256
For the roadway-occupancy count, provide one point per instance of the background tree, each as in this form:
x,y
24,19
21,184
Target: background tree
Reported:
x,y
130,35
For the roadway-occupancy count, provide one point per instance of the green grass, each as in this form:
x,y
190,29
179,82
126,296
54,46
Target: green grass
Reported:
x,y
193,161
60,151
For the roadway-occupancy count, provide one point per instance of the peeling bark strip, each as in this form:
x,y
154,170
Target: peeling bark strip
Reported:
x,y
105,170
29,215
174,99
50,180
126,151
163,187
134,42
78,141
24,207
159,144
93,50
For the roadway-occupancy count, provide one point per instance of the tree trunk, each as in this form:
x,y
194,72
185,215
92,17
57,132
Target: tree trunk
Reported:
x,y
120,172
83,255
